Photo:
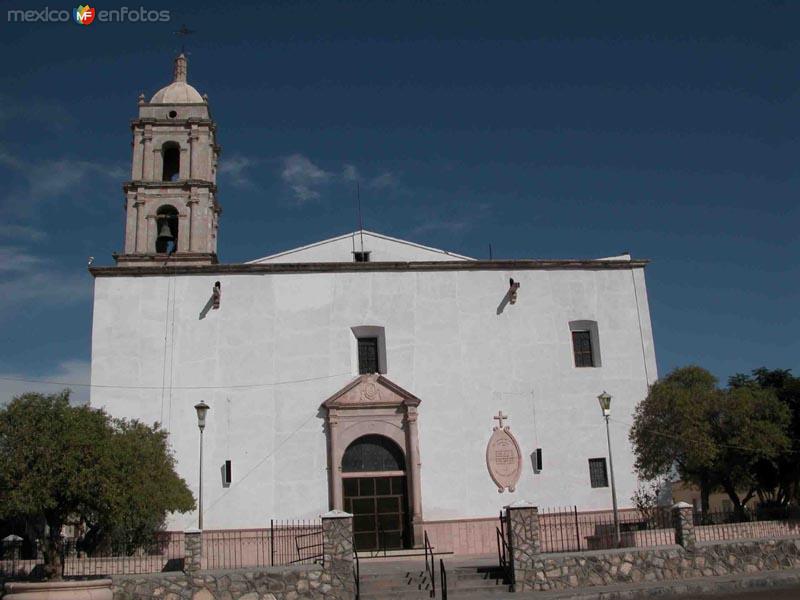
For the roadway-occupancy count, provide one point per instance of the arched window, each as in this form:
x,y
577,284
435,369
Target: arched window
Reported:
x,y
171,157
373,453
167,229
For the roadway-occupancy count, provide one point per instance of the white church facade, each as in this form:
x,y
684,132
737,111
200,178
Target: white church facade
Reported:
x,y
363,372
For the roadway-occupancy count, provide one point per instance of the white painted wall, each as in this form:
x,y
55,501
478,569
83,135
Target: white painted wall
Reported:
x,y
446,343
382,248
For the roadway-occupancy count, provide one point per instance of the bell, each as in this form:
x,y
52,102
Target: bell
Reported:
x,y
165,233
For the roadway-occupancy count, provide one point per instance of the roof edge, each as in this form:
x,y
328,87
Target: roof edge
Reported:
x,y
355,233
333,267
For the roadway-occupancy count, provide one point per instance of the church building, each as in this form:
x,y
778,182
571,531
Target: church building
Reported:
x,y
414,387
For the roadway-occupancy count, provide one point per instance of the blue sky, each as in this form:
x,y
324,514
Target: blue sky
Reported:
x,y
550,130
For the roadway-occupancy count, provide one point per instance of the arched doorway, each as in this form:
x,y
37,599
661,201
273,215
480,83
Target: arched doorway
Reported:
x,y
375,421
375,492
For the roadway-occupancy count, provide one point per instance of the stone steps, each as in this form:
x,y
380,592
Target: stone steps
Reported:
x,y
404,581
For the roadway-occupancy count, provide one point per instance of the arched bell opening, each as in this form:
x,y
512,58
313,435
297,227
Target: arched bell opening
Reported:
x,y
171,161
167,229
375,492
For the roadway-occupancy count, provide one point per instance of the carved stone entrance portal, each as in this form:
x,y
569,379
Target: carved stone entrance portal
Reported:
x,y
369,408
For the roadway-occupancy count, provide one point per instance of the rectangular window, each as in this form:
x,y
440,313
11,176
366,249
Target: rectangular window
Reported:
x,y
598,473
361,256
582,348
367,355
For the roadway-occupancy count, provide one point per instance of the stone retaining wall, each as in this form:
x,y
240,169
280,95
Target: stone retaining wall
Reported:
x,y
688,558
268,583
607,567
333,581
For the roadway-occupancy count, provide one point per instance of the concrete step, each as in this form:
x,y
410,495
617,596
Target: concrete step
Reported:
x,y
411,553
408,580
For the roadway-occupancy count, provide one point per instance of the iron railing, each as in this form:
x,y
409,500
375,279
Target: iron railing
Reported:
x,y
83,557
504,556
295,542
760,522
430,567
356,573
443,575
567,530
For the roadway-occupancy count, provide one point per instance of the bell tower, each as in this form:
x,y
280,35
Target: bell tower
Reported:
x,y
171,203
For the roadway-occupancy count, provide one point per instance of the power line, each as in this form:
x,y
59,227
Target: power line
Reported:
x,y
258,464
158,387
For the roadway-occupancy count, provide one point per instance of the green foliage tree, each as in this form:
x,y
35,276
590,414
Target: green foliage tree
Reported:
x,y
713,438
778,479
672,429
67,463
749,427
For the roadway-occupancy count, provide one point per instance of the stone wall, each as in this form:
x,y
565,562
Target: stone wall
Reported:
x,y
333,580
606,567
686,559
267,583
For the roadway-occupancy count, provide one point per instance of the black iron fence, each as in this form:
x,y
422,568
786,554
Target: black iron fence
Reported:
x,y
283,543
567,530
296,542
164,551
760,522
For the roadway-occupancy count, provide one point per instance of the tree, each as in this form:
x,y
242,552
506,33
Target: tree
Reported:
x,y
778,479
713,438
646,499
750,428
672,429
67,463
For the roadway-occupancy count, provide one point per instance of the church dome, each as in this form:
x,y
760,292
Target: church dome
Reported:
x,y
179,91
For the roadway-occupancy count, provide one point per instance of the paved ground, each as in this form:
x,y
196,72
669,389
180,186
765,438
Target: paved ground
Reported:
x,y
772,585
788,594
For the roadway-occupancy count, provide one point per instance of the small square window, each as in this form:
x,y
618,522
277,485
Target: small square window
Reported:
x,y
598,473
361,256
367,355
582,348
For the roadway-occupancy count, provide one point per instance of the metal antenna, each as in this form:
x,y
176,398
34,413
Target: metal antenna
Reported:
x,y
360,221
490,252
182,33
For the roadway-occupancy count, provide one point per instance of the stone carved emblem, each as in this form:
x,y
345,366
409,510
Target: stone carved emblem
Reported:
x,y
503,456
370,392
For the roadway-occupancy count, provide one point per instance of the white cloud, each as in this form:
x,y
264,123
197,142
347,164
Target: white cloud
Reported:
x,y
235,167
28,278
457,220
54,116
350,173
53,179
67,372
382,181
303,177
455,225
21,233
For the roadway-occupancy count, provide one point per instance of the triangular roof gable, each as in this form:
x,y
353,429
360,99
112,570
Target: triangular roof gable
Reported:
x,y
382,248
369,391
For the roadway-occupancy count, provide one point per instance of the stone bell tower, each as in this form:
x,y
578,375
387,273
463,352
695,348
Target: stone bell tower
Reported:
x,y
171,203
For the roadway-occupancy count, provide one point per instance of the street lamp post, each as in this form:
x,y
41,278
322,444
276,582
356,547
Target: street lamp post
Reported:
x,y
605,404
201,408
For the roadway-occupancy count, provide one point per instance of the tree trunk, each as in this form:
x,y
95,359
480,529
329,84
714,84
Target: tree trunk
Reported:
x,y
705,492
738,505
53,550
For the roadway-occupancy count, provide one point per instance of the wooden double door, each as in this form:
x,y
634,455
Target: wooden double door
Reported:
x,y
379,506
